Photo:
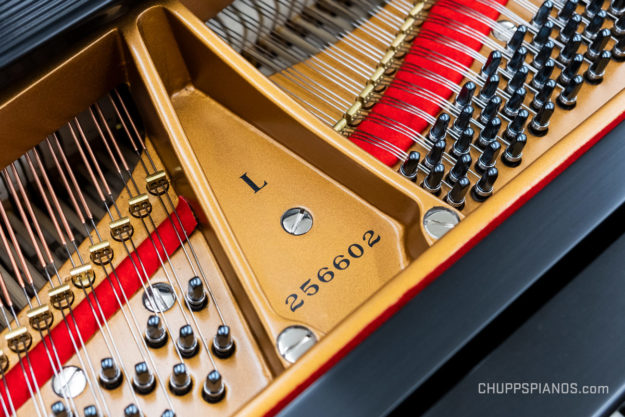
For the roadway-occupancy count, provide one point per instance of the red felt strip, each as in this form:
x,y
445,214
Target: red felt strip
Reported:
x,y
440,11
83,313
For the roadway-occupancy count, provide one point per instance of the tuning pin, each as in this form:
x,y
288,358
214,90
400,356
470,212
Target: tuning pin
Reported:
x,y
544,95
463,119
567,10
517,124
433,181
168,413
544,74
143,381
110,375
439,128
180,382
570,49
593,7
598,45
570,28
59,410
595,72
132,411
463,144
214,389
518,80
489,133
187,342
484,187
490,87
223,344
516,40
155,334
542,15
515,102
517,60
492,64
465,95
196,296
543,34
618,29
91,411
543,55
540,123
595,25
617,7
460,169
568,97
410,167
618,51
514,151
491,109
456,196
435,154
571,70
488,158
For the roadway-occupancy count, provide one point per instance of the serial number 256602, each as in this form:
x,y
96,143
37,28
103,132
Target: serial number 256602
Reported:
x,y
326,274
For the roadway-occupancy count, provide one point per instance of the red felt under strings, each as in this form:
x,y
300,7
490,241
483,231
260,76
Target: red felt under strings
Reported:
x,y
415,122
83,313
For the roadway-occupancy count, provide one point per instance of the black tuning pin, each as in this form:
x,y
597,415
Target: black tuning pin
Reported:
x,y
110,376
465,95
568,97
544,33
598,44
570,49
540,123
214,389
567,10
196,296
143,380
593,7
570,28
483,188
464,118
432,182
132,410
514,151
410,167
435,154
488,158
155,334
544,95
595,25
59,410
543,55
180,382
617,7
168,413
187,343
516,40
223,343
456,196
492,64
463,144
515,102
91,411
618,51
618,29
460,169
489,133
491,109
439,128
595,72
542,15
490,87
517,60
544,74
516,126
571,70
518,79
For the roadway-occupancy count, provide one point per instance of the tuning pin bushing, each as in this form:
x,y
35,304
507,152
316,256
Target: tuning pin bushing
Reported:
x,y
464,119
514,151
517,38
59,410
571,70
460,168
435,154
91,411
490,87
618,51
155,333
214,389
543,96
488,158
567,10
410,167
595,72
196,296
180,382
439,128
517,124
433,180
483,188
569,51
489,133
143,380
187,343
110,376
543,74
492,63
465,95
598,44
543,55
570,28
456,196
517,60
518,79
463,144
132,410
618,29
544,33
491,109
515,102
593,7
617,7
539,125
542,15
567,99
223,343
595,24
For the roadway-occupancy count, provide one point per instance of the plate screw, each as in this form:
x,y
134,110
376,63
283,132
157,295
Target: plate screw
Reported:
x,y
297,221
439,220
294,341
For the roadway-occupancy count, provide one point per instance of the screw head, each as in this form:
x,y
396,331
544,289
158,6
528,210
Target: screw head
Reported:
x,y
439,220
159,297
297,221
504,30
294,341
70,382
